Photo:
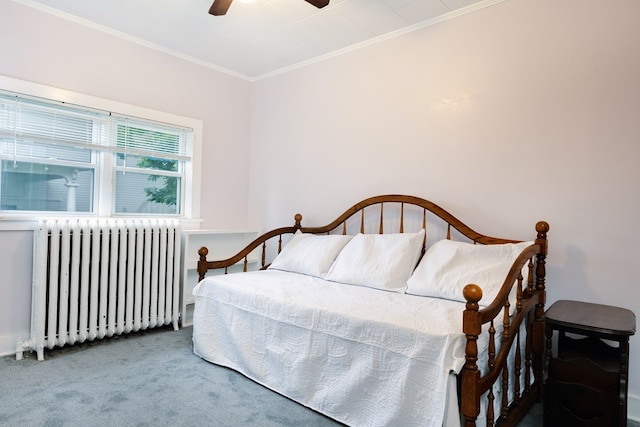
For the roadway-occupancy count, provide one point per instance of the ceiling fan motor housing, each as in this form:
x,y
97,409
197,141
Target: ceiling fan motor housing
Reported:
x,y
220,7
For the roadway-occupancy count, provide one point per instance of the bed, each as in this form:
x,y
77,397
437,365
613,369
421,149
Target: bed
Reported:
x,y
394,314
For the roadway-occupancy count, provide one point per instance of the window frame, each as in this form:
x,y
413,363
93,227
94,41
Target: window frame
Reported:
x,y
104,183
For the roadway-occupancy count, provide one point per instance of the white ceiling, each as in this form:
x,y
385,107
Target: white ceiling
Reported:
x,y
257,39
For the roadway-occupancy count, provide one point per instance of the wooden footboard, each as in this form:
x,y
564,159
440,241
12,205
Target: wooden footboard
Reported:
x,y
526,373
518,384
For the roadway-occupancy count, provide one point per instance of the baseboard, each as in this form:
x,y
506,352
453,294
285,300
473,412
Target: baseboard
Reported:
x,y
633,408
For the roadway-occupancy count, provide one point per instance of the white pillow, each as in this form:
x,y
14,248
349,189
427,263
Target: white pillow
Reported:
x,y
381,261
310,254
448,266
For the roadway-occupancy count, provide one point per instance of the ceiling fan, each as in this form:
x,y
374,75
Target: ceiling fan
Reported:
x,y
220,7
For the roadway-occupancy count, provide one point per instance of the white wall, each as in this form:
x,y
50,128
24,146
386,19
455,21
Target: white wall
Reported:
x,y
525,110
48,50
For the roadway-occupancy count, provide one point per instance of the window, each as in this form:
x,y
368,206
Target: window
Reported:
x,y
149,168
55,157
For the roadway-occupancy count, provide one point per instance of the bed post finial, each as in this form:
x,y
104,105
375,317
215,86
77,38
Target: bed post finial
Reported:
x,y
542,227
202,263
298,219
473,294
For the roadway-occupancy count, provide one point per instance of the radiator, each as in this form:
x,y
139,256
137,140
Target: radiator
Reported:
x,y
96,278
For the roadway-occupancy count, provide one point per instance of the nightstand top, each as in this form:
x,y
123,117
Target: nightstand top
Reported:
x,y
603,319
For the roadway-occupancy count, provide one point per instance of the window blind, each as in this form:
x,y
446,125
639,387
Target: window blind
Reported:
x,y
142,138
27,120
27,123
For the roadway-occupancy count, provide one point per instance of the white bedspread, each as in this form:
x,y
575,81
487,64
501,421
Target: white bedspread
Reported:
x,y
364,357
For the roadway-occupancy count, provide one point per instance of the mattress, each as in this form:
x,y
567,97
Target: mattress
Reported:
x,y
362,356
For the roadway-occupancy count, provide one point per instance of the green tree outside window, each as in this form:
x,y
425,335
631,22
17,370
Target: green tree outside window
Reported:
x,y
135,138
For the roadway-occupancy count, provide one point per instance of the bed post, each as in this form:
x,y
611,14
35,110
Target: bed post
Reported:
x,y
202,264
542,228
471,326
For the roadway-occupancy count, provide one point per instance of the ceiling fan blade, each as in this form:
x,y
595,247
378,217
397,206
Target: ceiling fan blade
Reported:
x,y
219,7
318,3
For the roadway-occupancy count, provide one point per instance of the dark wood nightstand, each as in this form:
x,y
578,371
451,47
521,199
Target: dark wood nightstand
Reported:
x,y
587,375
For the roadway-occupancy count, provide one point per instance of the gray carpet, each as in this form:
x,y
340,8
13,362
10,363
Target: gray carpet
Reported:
x,y
145,379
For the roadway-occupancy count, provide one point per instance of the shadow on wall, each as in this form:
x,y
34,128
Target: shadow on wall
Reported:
x,y
568,280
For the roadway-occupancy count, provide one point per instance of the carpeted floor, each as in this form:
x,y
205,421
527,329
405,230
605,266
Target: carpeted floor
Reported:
x,y
145,379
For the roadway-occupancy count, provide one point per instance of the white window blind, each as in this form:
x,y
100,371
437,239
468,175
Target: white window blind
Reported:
x,y
143,138
27,124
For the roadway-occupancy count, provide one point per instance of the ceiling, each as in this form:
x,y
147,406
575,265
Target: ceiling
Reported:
x,y
261,38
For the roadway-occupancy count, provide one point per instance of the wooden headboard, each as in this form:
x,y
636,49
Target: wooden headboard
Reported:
x,y
391,213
